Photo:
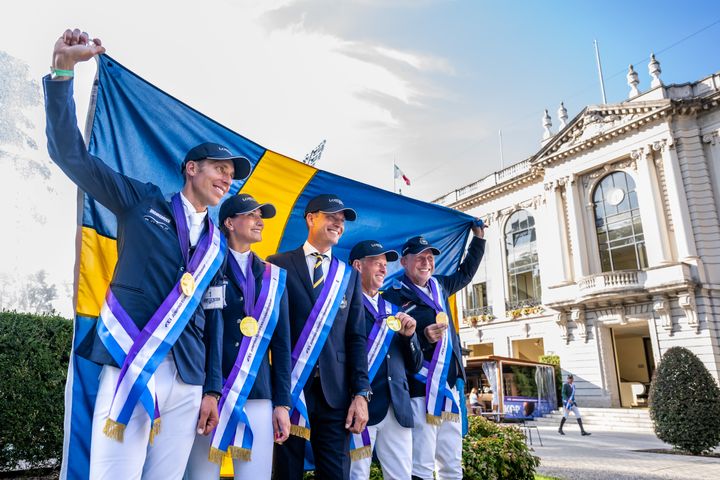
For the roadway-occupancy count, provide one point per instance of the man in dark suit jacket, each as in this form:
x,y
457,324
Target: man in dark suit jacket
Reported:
x,y
153,250
390,424
338,392
268,403
433,445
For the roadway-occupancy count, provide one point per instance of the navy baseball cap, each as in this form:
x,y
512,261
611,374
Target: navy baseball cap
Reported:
x,y
418,244
215,151
244,203
371,248
329,203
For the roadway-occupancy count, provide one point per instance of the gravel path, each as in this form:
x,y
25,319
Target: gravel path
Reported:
x,y
607,455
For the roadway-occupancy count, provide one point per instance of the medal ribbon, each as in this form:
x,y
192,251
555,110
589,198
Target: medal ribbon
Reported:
x,y
434,303
377,347
439,402
246,284
152,344
307,350
233,433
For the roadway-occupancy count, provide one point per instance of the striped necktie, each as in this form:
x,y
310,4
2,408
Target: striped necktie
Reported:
x,y
318,275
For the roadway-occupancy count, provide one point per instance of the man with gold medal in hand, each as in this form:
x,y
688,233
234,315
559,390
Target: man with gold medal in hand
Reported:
x,y
255,403
157,333
437,436
393,352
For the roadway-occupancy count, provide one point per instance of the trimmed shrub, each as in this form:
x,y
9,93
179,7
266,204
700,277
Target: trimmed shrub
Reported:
x,y
493,452
34,353
685,402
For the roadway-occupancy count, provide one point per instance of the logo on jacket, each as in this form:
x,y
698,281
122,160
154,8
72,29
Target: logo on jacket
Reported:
x,y
156,218
344,302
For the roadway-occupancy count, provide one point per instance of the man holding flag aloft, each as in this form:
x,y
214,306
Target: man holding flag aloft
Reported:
x,y
437,436
160,349
393,351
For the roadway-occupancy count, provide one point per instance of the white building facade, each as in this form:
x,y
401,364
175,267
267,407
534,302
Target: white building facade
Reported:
x,y
604,246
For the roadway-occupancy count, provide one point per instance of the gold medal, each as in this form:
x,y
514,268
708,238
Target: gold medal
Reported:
x,y
441,318
249,326
393,323
187,284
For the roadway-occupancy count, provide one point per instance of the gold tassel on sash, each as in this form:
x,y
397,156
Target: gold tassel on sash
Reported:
x,y
433,419
450,416
360,453
299,431
155,430
216,455
239,453
114,430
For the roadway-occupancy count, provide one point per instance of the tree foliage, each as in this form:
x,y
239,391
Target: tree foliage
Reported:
x,y
34,354
494,452
685,402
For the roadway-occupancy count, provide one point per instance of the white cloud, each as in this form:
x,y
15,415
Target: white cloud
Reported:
x,y
286,88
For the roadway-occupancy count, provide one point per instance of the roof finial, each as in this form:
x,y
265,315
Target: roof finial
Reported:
x,y
654,68
562,115
632,80
547,123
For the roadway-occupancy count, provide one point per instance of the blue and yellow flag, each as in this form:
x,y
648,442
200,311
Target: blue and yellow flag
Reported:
x,y
142,132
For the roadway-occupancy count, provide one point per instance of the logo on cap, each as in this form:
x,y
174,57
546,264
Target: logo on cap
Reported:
x,y
422,241
335,200
376,245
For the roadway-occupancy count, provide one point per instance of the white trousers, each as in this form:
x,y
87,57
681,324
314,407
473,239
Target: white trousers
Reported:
x,y
259,413
393,445
435,447
574,409
134,458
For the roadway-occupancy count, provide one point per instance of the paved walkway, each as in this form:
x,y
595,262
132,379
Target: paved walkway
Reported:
x,y
611,456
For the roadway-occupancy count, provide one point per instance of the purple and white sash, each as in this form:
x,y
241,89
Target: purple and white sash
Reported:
x,y
233,434
377,347
140,352
312,339
440,403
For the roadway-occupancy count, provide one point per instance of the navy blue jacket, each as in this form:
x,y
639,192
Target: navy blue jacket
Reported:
x,y
390,384
272,381
404,297
343,359
150,261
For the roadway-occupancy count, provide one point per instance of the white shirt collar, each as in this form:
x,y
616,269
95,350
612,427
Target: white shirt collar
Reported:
x,y
374,299
309,250
241,259
194,217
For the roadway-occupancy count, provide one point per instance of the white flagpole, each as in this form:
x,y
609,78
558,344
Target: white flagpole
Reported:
x,y
394,177
599,66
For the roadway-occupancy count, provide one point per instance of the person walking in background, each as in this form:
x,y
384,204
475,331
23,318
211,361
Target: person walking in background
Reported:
x,y
569,404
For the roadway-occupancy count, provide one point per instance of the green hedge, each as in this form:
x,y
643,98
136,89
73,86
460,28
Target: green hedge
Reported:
x,y
495,452
685,402
34,353
489,452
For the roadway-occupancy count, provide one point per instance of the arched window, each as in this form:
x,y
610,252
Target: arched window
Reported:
x,y
522,259
617,221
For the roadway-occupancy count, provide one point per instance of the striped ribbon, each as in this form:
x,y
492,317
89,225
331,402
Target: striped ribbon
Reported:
x,y
141,352
378,345
233,434
312,339
440,402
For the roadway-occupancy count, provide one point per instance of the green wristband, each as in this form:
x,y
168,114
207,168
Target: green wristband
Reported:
x,y
62,73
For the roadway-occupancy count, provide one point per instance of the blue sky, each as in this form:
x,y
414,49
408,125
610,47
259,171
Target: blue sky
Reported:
x,y
426,83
